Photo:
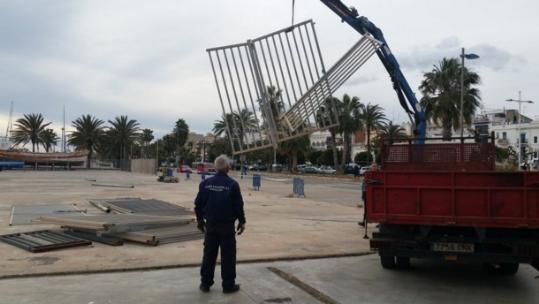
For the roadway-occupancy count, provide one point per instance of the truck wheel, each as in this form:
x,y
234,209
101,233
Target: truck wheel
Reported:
x,y
501,268
403,262
508,269
387,261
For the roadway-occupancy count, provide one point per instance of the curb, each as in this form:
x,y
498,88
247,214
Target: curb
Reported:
x,y
187,265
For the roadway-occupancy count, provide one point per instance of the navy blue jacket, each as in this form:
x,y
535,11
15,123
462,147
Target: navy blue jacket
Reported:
x,y
219,200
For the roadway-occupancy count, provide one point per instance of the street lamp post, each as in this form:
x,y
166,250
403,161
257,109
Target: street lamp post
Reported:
x,y
463,56
520,102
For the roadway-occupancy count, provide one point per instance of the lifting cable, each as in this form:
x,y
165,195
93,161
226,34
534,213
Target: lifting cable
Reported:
x,y
293,5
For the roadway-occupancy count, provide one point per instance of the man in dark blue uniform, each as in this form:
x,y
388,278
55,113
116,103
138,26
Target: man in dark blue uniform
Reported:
x,y
218,205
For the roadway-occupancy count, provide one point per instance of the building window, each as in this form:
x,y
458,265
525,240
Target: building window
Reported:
x,y
497,135
535,139
504,135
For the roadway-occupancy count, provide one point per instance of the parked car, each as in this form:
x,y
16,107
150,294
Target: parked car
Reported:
x,y
258,167
205,168
276,168
327,170
350,168
310,169
364,169
185,169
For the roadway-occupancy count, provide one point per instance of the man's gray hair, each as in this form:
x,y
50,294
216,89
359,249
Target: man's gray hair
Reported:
x,y
222,163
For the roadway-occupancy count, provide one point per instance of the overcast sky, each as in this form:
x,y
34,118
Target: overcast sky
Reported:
x,y
147,59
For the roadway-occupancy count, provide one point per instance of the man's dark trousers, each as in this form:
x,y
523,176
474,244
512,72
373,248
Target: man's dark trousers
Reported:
x,y
220,235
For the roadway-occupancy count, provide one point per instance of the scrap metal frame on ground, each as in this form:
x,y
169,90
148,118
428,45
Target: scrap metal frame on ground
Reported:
x,y
276,88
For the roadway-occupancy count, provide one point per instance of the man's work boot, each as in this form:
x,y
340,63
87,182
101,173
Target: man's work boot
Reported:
x,y
204,288
232,289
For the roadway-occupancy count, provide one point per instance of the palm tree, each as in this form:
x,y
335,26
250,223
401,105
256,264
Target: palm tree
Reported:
x,y
291,148
391,133
441,95
29,130
181,130
246,122
48,139
327,115
348,123
220,126
123,132
88,134
145,138
371,118
240,124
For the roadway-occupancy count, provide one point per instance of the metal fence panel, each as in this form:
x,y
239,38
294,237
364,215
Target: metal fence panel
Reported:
x,y
275,88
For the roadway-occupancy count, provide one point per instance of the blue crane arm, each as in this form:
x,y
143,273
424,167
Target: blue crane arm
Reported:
x,y
405,94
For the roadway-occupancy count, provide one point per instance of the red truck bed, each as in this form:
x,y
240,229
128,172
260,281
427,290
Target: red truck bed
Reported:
x,y
447,198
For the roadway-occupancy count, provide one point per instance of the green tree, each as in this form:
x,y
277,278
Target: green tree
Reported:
x,y
29,129
49,138
168,145
371,118
349,119
146,137
220,126
240,124
123,132
441,95
181,130
88,133
391,133
292,148
218,147
363,158
326,115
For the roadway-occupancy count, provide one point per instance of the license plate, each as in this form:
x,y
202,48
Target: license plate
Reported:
x,y
453,247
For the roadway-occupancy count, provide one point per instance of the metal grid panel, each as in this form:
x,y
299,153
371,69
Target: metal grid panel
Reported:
x,y
275,88
43,240
150,206
452,157
30,214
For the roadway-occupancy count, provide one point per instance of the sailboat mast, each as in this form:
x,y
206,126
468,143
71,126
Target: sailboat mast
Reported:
x,y
9,122
64,132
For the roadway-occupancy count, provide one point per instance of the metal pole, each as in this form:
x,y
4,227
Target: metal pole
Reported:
x,y
231,140
462,95
519,137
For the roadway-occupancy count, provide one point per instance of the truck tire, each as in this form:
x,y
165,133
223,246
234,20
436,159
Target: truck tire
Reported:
x,y
403,262
508,269
387,261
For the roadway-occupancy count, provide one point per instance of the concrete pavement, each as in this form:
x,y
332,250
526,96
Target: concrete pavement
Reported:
x,y
345,280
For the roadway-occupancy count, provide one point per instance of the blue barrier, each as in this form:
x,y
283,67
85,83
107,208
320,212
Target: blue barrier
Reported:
x,y
257,181
298,186
11,165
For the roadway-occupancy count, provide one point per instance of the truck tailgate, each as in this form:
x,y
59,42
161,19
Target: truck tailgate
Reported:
x,y
481,199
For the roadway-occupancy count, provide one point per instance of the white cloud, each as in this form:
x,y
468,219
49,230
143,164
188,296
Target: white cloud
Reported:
x,y
147,59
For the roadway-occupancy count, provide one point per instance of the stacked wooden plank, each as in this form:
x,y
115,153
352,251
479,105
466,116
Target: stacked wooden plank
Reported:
x,y
164,235
117,223
151,222
138,205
